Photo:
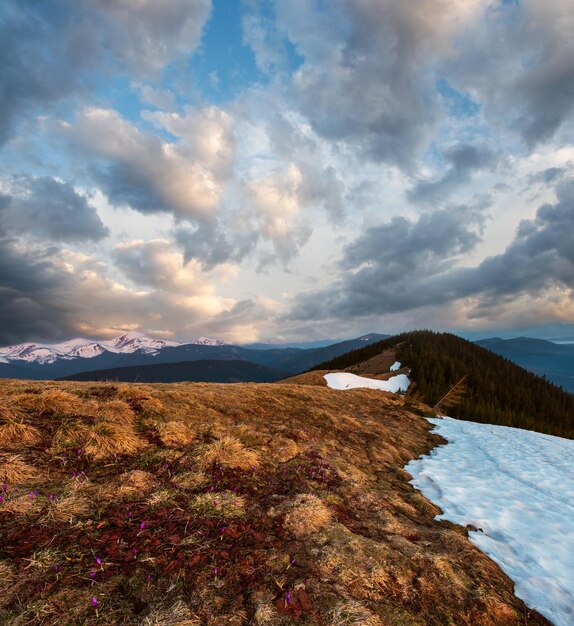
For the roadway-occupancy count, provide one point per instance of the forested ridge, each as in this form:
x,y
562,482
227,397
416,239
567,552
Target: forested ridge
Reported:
x,y
498,391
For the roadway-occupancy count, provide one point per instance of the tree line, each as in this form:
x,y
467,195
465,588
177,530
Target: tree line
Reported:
x,y
496,390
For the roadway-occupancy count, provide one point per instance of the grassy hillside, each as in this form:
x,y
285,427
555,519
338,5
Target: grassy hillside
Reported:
x,y
499,392
197,371
228,505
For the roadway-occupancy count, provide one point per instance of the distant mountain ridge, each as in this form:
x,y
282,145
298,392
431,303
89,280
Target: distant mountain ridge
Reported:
x,y
545,358
135,350
204,371
127,343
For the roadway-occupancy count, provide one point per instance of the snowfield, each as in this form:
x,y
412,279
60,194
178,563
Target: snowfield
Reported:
x,y
517,488
395,366
344,380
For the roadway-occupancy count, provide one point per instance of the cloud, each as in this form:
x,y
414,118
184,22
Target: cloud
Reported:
x,y
49,209
51,50
463,161
141,170
158,265
51,293
367,78
147,35
277,202
403,265
526,80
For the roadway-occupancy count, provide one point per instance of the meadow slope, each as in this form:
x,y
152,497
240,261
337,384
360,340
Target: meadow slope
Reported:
x,y
213,504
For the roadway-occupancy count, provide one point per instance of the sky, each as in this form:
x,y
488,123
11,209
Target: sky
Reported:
x,y
285,169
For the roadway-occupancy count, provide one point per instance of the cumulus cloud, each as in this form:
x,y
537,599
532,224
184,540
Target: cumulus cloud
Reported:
x,y
367,78
51,293
403,265
463,161
51,50
149,174
158,265
526,80
49,209
277,202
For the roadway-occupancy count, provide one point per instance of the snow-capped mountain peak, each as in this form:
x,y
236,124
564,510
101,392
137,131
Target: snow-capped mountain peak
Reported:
x,y
208,341
81,348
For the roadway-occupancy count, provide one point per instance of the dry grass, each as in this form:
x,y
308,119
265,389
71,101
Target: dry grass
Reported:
x,y
190,480
353,613
307,515
15,435
175,434
228,452
15,471
177,614
107,438
68,508
116,411
328,506
57,402
222,505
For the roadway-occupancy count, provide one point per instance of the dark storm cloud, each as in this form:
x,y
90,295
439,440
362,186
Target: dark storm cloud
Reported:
x,y
49,209
28,294
463,161
404,265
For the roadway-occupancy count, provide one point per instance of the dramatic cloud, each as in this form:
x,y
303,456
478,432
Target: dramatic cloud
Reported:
x,y
284,167
519,63
368,75
49,209
149,174
53,48
403,265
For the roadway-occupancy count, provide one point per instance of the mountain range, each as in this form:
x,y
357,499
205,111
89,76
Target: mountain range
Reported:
x,y
78,356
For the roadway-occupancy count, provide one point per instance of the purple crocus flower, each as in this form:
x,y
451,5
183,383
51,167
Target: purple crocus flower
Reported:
x,y
142,526
4,487
1,499
51,497
288,597
94,602
56,568
99,561
215,571
93,574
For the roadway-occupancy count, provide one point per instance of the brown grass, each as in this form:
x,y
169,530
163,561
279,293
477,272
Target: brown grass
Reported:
x,y
228,452
177,614
223,505
67,508
15,471
307,515
57,402
116,411
108,437
328,507
15,435
175,434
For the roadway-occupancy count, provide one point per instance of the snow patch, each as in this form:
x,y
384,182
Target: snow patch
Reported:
x,y
344,380
517,487
395,366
